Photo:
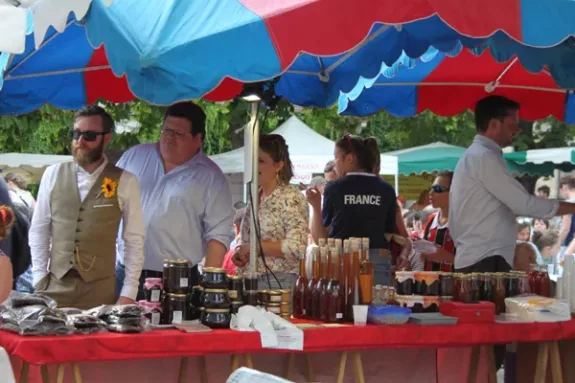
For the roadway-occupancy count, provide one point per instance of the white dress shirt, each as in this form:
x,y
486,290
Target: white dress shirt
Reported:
x,y
183,209
484,201
132,228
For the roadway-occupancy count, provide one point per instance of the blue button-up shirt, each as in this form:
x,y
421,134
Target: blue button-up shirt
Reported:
x,y
484,201
183,210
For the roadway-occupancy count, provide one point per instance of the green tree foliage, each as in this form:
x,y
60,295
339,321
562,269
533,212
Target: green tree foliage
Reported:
x,y
47,130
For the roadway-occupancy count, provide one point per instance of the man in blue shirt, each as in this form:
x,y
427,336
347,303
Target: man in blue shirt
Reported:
x,y
186,199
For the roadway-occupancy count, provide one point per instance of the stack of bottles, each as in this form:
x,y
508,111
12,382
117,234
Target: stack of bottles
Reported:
x,y
342,277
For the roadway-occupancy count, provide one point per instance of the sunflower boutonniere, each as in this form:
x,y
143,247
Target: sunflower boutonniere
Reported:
x,y
109,187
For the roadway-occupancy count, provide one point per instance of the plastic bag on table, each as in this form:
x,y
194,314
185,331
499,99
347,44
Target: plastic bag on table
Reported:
x,y
45,328
87,324
99,312
17,299
126,311
71,311
127,321
40,314
126,329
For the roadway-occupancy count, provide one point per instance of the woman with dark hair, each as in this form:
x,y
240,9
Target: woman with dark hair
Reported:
x,y
359,203
436,229
283,215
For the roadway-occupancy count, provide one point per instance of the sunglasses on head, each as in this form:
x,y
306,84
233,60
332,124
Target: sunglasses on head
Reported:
x,y
438,189
89,135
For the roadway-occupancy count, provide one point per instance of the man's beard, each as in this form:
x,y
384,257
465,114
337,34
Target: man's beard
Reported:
x,y
88,157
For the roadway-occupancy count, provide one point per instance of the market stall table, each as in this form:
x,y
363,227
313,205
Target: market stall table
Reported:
x,y
175,344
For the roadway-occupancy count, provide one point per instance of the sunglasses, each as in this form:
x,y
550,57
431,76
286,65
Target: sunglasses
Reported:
x,y
438,189
89,135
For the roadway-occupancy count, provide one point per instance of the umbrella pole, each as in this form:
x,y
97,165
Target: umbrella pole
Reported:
x,y
255,137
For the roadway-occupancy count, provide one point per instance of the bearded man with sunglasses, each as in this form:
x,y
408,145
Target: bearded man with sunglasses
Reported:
x,y
77,219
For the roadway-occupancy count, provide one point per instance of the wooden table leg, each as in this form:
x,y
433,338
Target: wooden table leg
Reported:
x,y
249,361
310,375
235,363
203,369
76,371
183,374
44,373
60,373
358,367
473,364
289,365
341,367
555,360
24,372
491,373
541,363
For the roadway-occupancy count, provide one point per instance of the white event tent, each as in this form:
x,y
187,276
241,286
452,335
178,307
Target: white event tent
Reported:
x,y
309,152
31,166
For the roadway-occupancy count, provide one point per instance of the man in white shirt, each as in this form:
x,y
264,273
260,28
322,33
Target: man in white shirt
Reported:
x,y
186,198
75,224
485,199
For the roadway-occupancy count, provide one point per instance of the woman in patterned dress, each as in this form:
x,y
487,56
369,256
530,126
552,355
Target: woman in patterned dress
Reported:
x,y
283,217
6,222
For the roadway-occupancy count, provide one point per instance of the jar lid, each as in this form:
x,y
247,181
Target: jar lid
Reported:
x,y
166,260
264,291
181,261
215,290
235,277
237,303
214,270
152,280
198,287
286,291
285,303
275,292
217,310
273,305
202,308
251,292
178,295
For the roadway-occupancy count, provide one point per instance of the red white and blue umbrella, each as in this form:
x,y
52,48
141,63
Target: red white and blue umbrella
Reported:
x,y
171,50
448,86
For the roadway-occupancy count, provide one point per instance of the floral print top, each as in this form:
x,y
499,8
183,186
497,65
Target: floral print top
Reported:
x,y
283,216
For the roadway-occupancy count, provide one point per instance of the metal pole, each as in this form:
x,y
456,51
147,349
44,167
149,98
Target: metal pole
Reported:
x,y
255,126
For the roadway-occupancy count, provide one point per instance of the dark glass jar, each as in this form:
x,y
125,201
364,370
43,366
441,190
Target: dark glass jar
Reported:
x,y
215,299
404,282
427,283
286,295
214,278
474,288
179,277
464,292
486,293
445,284
197,296
250,298
235,306
235,287
456,286
176,308
216,318
166,274
153,289
263,297
251,281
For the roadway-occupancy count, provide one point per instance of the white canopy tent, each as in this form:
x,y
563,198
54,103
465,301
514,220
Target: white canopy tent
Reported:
x,y
31,166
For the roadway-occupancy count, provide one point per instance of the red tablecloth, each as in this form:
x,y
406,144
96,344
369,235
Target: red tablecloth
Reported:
x,y
172,343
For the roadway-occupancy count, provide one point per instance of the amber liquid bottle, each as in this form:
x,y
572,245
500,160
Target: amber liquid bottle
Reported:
x,y
316,292
346,277
300,287
321,285
335,295
366,273
354,295
309,302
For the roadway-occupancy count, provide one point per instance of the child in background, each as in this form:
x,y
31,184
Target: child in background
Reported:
x,y
547,242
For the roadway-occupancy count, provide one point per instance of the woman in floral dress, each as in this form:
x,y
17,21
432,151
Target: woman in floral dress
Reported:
x,y
283,217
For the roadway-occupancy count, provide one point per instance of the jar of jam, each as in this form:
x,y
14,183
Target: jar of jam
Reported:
x,y
427,283
474,288
524,287
286,307
235,306
153,289
404,282
431,304
216,318
250,298
486,283
215,299
214,278
197,296
235,287
445,284
456,286
251,281
176,308
464,292
179,277
153,313
286,295
262,297
166,274
275,296
544,284
274,308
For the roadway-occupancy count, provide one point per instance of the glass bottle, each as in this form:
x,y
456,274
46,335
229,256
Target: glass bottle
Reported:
x,y
334,294
524,287
321,242
366,274
464,293
354,296
486,287
300,287
499,293
346,280
545,284
474,288
321,285
330,242
309,305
